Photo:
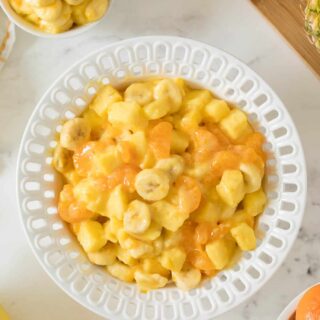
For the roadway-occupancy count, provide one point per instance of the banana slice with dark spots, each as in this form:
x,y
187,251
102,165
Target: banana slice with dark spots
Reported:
x,y
137,218
173,166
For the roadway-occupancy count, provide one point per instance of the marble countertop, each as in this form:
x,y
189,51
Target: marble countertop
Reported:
x,y
233,25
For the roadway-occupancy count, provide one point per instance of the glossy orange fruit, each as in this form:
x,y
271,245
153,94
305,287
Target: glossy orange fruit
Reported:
x,y
309,306
160,137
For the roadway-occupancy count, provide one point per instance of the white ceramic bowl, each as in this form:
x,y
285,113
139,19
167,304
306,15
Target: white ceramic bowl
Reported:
x,y
202,65
30,28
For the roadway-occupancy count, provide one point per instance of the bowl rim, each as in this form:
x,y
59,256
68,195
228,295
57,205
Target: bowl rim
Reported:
x,y
191,42
31,29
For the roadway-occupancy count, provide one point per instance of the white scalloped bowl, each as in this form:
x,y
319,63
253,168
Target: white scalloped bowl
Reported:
x,y
204,66
30,28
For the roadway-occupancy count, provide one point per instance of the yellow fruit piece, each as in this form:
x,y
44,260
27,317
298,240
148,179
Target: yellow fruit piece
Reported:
x,y
187,279
252,176
254,203
172,239
151,234
118,202
148,282
244,236
199,170
75,227
72,177
152,265
96,123
220,252
106,96
89,192
157,109
173,259
91,236
182,86
104,257
216,110
231,187
191,120
112,228
148,161
158,245
3,314
168,216
127,115
124,256
179,142
62,159
207,212
121,271
138,249
138,140
141,93
195,100
96,9
105,162
235,125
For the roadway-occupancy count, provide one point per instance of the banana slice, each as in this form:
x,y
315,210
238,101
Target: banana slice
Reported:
x,y
62,159
39,3
137,218
49,13
173,166
252,176
74,133
152,184
146,281
157,109
141,93
167,88
74,2
187,280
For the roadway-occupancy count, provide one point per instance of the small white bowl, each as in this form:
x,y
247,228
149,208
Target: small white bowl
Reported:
x,y
30,28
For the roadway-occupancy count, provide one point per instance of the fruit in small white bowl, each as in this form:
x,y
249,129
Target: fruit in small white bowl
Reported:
x,y
59,19
202,66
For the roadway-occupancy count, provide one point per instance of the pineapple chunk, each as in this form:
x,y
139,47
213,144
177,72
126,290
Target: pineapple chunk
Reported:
x,y
157,109
254,203
167,215
196,100
191,120
138,249
149,160
105,256
112,228
207,212
220,252
127,115
179,142
235,125
173,259
121,271
105,97
151,234
148,282
72,177
244,236
117,202
252,176
91,236
172,239
216,110
124,256
152,265
231,187
105,162
158,246
89,192
138,140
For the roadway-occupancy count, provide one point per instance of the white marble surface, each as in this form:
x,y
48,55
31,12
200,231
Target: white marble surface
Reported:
x,y
233,25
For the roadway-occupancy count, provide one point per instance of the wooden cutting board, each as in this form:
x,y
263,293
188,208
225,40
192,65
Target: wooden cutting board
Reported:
x,y
287,16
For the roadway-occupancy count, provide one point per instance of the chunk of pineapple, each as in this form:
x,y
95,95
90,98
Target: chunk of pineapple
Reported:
x,y
173,259
105,162
235,125
244,236
117,202
157,109
216,110
167,215
152,265
196,100
231,187
138,140
138,249
72,177
124,256
149,160
112,228
104,257
220,252
207,212
91,236
191,120
121,271
148,282
127,115
254,203
172,239
179,142
252,176
105,97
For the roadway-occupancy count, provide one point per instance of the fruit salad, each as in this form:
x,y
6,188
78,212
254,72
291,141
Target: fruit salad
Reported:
x,y
163,183
56,16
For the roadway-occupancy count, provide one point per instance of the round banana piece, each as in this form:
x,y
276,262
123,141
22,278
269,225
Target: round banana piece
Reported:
x,y
137,218
187,280
152,184
62,159
252,176
173,166
167,88
74,133
96,9
141,93
49,13
39,3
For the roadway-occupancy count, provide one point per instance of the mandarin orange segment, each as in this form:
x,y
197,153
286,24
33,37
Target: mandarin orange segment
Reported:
x,y
125,175
224,160
202,233
160,137
309,305
127,152
200,260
